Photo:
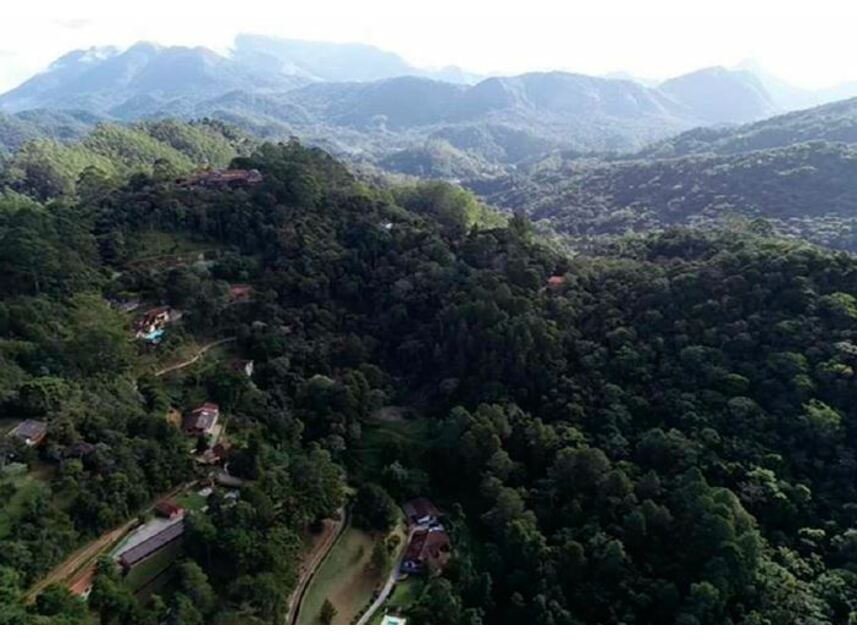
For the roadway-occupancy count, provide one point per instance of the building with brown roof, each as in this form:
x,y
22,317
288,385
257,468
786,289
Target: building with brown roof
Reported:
x,y
222,179
240,293
421,511
152,322
30,432
202,420
429,550
170,510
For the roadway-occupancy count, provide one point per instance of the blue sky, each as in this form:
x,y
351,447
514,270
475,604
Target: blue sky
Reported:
x,y
808,43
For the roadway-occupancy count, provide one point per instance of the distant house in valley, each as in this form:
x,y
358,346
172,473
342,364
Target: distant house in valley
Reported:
x,y
140,552
222,179
421,512
215,454
242,366
202,420
555,282
169,510
428,551
30,432
151,325
79,450
240,293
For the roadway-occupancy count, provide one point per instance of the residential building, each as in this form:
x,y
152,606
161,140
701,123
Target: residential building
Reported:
x,y
30,432
202,420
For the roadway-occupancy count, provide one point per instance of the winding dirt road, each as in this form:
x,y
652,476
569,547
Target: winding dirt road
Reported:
x,y
80,562
193,360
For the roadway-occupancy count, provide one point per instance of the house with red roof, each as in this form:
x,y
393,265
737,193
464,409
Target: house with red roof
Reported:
x,y
202,420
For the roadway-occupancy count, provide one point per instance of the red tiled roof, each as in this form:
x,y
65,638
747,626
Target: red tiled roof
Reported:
x,y
168,509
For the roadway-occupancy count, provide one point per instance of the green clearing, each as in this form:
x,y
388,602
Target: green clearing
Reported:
x,y
191,501
154,245
345,578
15,492
385,440
404,594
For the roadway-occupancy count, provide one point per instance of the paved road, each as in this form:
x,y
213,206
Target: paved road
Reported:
x,y
388,586
313,564
195,358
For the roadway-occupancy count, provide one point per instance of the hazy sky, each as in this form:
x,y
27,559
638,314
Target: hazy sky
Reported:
x,y
810,43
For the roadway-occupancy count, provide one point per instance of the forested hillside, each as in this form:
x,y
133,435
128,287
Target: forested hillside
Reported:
x,y
835,122
686,383
45,167
806,191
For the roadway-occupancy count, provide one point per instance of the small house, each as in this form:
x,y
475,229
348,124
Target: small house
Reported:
x,y
240,293
168,510
242,366
556,282
78,450
429,550
202,420
82,585
151,325
222,179
421,512
30,432
215,454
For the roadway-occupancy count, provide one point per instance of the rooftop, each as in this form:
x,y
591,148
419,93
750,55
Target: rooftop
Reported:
x,y
31,431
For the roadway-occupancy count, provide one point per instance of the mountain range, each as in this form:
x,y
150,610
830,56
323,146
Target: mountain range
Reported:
x,y
370,103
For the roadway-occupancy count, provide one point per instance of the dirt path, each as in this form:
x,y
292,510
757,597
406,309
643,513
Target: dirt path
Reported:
x,y
312,562
80,562
388,586
202,351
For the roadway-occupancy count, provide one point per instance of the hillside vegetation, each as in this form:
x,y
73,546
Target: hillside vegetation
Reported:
x,y
806,191
686,383
46,167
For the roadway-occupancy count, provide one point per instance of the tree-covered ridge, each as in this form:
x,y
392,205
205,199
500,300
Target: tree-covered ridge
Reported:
x,y
45,167
686,383
806,191
833,122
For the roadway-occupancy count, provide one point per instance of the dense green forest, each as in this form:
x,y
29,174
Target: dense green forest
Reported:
x,y
46,167
807,191
688,383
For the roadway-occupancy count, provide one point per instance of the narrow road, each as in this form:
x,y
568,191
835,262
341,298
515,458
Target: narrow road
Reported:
x,y
388,586
86,557
202,351
313,563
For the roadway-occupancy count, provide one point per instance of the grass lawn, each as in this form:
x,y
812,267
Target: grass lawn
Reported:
x,y
155,245
404,594
14,492
401,439
191,500
345,578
